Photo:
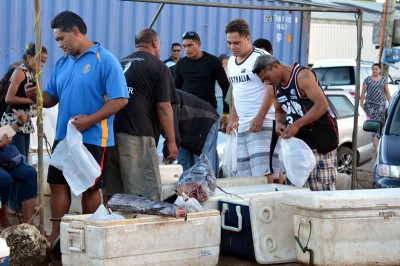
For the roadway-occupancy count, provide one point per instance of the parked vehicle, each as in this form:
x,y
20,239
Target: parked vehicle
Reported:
x,y
341,73
342,104
387,163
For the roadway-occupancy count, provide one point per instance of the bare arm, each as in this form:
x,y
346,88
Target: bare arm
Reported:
x,y
362,97
48,101
387,93
280,114
308,88
258,121
83,122
165,115
233,122
16,79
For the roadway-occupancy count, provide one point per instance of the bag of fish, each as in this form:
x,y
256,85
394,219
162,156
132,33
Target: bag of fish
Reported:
x,y
198,181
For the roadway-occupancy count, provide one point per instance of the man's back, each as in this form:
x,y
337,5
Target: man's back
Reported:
x,y
149,82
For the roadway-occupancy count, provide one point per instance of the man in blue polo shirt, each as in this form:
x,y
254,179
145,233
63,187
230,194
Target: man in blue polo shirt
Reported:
x,y
89,86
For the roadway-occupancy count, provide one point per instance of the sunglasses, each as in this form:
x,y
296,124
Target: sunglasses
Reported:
x,y
191,35
176,50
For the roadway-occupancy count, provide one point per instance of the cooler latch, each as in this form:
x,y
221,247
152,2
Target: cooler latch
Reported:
x,y
225,209
387,215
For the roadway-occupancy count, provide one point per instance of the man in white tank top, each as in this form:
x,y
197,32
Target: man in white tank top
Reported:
x,y
252,113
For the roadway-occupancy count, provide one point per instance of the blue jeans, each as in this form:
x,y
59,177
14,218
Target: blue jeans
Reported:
x,y
21,141
23,174
187,159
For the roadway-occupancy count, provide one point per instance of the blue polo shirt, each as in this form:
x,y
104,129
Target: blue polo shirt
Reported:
x,y
82,86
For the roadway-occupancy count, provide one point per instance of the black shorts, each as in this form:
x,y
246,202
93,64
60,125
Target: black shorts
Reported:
x,y
274,141
100,154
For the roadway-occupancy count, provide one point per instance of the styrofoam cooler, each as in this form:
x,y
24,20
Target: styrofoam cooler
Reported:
x,y
258,226
146,240
348,227
4,253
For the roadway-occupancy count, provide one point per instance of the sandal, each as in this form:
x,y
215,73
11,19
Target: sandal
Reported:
x,y
56,249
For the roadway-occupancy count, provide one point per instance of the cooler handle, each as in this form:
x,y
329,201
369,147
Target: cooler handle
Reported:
x,y
225,209
76,240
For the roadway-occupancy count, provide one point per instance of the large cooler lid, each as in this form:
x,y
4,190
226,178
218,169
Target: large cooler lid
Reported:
x,y
343,199
4,249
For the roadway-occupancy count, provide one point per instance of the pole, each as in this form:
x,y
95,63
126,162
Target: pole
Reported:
x,y
388,31
39,104
156,15
357,101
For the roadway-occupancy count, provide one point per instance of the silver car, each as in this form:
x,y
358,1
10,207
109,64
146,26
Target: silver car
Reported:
x,y
342,104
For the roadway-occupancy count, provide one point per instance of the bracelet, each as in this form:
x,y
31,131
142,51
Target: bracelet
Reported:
x,y
19,123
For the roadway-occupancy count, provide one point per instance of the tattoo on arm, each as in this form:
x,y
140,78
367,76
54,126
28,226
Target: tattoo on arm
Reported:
x,y
304,75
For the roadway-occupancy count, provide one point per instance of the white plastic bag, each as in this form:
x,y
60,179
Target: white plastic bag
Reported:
x,y
79,167
190,204
298,159
229,162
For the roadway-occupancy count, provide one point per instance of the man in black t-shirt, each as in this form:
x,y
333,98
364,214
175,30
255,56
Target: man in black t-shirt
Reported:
x,y
196,73
134,164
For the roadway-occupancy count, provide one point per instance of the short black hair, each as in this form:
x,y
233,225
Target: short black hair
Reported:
x,y
66,20
175,44
145,36
263,44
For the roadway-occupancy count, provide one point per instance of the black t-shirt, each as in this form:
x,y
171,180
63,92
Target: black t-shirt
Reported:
x,y
198,76
149,82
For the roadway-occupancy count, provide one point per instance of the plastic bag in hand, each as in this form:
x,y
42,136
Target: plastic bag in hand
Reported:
x,y
298,160
229,162
79,167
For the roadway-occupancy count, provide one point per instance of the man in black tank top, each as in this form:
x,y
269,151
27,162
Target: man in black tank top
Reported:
x,y
302,111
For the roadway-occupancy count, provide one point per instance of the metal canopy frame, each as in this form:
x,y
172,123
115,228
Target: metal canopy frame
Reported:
x,y
312,8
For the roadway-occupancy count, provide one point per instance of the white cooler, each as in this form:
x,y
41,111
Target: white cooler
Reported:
x,y
4,253
348,227
147,240
257,226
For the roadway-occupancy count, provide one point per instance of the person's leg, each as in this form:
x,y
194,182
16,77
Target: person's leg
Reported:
x,y
210,148
243,158
60,202
185,158
258,145
5,188
114,183
139,166
26,176
91,198
15,202
323,176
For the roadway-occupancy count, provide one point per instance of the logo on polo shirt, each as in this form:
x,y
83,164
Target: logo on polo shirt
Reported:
x,y
86,69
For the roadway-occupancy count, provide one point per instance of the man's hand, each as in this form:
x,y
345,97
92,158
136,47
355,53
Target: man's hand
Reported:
x,y
223,122
256,124
279,129
30,91
172,151
290,131
82,122
231,126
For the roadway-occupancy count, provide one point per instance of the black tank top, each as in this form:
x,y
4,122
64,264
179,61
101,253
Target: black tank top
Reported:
x,y
321,134
21,91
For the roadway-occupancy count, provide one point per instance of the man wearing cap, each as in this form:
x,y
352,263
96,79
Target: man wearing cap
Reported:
x,y
196,73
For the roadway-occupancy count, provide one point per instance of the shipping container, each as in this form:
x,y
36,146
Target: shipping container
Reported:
x,y
114,23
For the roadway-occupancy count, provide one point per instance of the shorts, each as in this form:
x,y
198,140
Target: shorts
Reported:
x,y
324,174
100,154
134,167
254,152
275,147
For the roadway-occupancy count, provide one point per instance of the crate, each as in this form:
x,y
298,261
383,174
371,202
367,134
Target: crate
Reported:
x,y
258,226
348,227
146,240
4,253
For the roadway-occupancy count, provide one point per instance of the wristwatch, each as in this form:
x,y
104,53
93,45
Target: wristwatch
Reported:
x,y
19,123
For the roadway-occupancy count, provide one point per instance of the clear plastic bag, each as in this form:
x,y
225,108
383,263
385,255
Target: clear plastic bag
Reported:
x,y
79,167
298,160
229,162
190,204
